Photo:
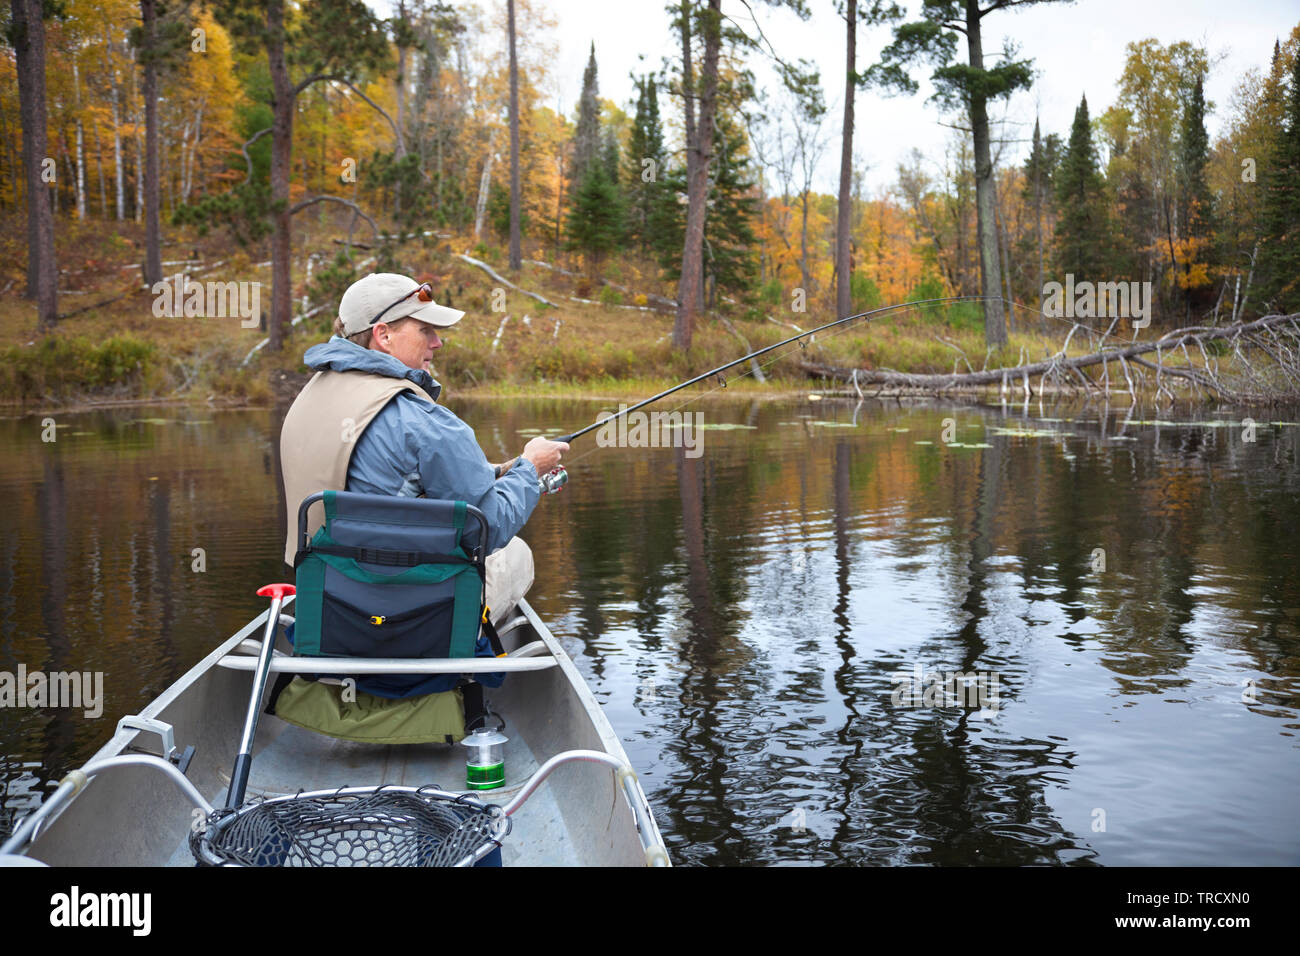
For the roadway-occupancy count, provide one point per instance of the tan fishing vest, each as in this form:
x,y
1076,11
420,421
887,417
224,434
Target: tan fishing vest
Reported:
x,y
319,435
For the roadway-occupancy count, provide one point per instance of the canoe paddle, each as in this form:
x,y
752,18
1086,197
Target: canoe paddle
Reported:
x,y
244,761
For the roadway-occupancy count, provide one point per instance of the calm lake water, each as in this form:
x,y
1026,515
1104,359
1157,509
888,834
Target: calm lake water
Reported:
x,y
757,620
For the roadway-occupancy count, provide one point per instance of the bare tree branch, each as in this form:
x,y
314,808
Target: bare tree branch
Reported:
x,y
248,159
1242,337
300,206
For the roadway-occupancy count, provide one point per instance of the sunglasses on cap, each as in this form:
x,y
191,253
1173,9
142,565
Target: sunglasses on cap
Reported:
x,y
425,292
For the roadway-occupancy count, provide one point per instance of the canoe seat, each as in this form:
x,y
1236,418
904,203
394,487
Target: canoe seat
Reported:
x,y
390,597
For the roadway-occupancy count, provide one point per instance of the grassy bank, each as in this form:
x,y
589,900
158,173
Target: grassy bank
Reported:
x,y
508,343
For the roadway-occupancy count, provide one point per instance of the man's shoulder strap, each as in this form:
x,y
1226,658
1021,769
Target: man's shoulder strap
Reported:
x,y
320,433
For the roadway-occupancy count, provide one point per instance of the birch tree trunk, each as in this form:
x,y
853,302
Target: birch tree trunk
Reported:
x,y
117,125
81,143
484,184
689,288
515,256
843,227
139,173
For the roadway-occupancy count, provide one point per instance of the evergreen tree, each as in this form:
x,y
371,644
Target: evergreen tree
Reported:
x,y
1195,205
1039,169
646,190
1082,227
730,262
611,159
1279,250
586,137
595,224
610,155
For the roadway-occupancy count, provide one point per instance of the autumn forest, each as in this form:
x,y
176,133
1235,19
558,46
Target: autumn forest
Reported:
x,y
315,141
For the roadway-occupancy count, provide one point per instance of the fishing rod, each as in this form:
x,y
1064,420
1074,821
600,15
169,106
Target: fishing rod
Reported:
x,y
556,479
745,358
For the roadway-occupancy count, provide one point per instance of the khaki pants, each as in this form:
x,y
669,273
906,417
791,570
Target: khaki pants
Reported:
x,y
509,576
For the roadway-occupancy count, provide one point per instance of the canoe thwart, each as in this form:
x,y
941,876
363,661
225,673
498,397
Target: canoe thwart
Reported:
x,y
346,666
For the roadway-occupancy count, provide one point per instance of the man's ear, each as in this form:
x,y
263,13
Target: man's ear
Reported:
x,y
379,336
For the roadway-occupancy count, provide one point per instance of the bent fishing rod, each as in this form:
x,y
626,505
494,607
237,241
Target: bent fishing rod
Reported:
x,y
556,479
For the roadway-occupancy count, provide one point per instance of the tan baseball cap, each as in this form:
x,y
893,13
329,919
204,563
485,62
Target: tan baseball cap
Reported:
x,y
387,297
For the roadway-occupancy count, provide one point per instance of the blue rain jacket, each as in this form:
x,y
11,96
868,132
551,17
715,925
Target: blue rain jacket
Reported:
x,y
416,447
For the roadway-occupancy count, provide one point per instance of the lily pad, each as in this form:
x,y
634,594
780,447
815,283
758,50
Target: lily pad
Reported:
x,y
822,424
151,421
899,430
727,427
922,441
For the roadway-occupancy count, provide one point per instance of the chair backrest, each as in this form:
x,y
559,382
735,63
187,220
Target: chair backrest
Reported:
x,y
392,577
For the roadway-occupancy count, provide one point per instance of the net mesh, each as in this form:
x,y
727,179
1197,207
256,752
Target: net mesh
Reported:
x,y
367,827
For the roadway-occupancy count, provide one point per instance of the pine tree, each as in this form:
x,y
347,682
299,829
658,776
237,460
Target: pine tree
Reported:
x,y
730,262
646,190
610,154
1195,204
611,158
1082,227
1038,179
586,137
1279,251
595,224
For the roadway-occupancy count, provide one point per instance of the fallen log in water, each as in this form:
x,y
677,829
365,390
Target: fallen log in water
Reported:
x,y
1277,336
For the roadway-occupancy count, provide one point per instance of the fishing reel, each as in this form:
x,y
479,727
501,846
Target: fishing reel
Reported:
x,y
553,480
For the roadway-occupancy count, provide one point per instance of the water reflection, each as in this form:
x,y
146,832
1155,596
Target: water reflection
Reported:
x,y
743,616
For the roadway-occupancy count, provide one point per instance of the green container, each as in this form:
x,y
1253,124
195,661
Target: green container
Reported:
x,y
485,764
485,777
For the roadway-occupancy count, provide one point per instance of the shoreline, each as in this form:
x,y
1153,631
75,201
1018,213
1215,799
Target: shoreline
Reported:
x,y
639,390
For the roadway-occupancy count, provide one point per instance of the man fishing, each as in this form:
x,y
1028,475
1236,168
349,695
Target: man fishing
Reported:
x,y
369,422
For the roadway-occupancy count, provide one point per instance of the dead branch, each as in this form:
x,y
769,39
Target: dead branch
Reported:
x,y
299,206
506,282
1261,334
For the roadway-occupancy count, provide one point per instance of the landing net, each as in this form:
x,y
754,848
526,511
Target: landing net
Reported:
x,y
362,826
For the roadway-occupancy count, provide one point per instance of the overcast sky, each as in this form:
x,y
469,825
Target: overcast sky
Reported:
x,y
1077,48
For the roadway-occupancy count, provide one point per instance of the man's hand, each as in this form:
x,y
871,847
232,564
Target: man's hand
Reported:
x,y
544,453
